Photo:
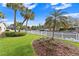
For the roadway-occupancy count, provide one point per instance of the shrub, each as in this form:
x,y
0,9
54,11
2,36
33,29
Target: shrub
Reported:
x,y
71,29
7,30
2,35
62,29
15,34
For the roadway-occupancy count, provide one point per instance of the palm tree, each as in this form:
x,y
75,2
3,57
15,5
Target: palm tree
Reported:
x,y
15,7
49,23
55,19
27,14
1,15
64,22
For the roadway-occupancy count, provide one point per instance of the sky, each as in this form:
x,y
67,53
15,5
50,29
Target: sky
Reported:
x,y
41,10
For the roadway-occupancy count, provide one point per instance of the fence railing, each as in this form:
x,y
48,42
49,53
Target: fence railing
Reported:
x,y
74,36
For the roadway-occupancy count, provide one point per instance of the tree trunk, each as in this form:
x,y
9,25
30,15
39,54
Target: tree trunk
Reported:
x,y
22,24
15,20
54,26
49,29
26,24
19,29
23,21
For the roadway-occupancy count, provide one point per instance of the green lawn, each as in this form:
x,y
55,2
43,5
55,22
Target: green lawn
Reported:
x,y
72,43
17,46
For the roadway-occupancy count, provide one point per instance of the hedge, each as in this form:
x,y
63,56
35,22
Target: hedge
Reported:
x,y
15,34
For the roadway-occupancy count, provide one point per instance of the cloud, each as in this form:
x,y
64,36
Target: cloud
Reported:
x,y
47,5
8,22
4,4
33,6
54,3
62,6
76,15
3,20
29,6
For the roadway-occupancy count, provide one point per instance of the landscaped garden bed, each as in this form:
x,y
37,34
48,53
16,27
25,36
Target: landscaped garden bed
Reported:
x,y
54,47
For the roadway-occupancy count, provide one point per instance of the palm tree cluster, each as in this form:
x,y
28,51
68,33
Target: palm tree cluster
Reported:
x,y
15,7
26,13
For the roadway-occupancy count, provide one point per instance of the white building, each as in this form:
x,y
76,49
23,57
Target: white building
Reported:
x,y
2,27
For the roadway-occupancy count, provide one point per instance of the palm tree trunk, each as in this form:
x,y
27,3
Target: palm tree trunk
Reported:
x,y
26,24
23,21
15,20
50,29
19,29
54,26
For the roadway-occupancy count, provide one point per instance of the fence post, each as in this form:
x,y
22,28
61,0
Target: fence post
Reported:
x,y
62,35
30,31
41,32
76,36
46,33
51,34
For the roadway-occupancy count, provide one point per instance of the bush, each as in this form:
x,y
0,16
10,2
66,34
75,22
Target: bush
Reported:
x,y
2,35
7,30
15,34
71,29
62,29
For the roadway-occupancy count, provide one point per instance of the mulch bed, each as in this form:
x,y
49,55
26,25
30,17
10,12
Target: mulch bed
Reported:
x,y
54,47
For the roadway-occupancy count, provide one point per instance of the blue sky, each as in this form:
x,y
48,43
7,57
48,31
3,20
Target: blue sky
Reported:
x,y
41,10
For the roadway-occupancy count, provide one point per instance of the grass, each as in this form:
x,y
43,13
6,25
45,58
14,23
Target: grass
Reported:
x,y
72,43
17,46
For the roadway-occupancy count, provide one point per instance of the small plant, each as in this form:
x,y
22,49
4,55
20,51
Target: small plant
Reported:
x,y
15,34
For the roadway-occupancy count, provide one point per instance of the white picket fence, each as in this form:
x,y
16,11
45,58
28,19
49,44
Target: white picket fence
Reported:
x,y
74,36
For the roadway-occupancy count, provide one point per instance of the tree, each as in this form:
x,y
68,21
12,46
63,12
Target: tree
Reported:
x,y
15,7
27,14
34,28
63,23
49,23
55,19
2,15
40,27
19,26
11,26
